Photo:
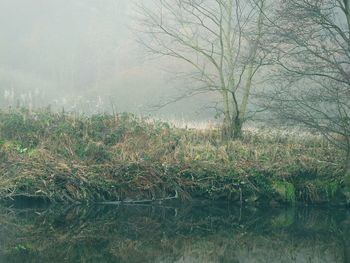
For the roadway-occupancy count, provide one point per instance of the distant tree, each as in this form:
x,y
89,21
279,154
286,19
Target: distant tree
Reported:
x,y
310,42
218,40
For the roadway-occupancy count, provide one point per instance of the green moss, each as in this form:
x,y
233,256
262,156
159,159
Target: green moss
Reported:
x,y
285,191
258,185
332,190
319,190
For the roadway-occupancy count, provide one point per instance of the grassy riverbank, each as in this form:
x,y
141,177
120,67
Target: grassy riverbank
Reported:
x,y
63,157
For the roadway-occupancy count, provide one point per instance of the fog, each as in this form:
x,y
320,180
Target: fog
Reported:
x,y
83,55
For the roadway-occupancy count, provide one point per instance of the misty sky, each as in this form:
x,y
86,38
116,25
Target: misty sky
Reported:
x,y
81,54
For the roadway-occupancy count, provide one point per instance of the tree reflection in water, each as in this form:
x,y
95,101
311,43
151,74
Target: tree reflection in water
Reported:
x,y
210,233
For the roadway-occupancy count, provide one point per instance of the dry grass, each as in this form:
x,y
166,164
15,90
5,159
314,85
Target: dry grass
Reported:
x,y
67,157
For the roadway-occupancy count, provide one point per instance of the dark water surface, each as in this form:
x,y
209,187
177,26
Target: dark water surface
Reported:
x,y
203,233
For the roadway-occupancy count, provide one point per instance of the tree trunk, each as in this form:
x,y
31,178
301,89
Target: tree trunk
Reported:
x,y
237,128
227,132
227,129
251,64
232,128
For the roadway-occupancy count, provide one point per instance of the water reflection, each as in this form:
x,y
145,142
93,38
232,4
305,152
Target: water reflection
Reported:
x,y
209,233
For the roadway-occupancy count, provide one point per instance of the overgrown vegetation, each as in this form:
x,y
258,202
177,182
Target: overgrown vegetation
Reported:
x,y
63,157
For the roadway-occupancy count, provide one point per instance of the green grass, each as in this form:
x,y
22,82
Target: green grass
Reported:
x,y
63,157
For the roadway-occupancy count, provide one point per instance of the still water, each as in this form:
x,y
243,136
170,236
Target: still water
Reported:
x,y
202,233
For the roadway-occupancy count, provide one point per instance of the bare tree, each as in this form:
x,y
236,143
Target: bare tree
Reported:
x,y
310,41
218,40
